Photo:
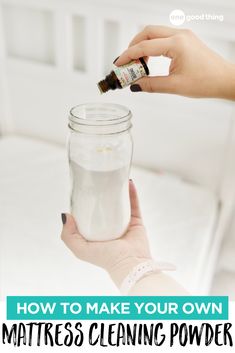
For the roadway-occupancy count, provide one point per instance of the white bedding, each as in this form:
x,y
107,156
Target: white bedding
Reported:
x,y
34,188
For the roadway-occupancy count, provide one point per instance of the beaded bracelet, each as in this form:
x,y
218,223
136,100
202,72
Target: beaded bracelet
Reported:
x,y
141,271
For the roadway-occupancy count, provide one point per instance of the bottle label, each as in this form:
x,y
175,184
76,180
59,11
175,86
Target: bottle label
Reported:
x,y
130,72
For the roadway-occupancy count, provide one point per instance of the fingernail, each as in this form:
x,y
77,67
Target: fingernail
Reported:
x,y
116,59
131,180
135,88
63,217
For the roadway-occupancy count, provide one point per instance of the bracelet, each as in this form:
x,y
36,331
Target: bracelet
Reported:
x,y
141,271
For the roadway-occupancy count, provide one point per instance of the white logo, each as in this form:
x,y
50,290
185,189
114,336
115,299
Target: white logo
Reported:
x,y
177,17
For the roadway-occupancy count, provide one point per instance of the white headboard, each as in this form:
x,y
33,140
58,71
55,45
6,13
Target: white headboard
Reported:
x,y
54,51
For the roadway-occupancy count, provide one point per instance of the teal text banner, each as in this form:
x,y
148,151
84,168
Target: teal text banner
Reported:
x,y
117,308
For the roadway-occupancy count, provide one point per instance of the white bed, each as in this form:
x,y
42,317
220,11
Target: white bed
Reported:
x,y
34,187
187,212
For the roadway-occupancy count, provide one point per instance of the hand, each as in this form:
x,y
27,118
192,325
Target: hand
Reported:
x,y
119,256
195,70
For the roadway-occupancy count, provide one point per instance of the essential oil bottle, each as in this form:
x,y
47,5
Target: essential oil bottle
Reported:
x,y
122,76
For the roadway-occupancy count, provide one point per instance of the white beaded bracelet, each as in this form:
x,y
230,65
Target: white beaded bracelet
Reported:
x,y
141,271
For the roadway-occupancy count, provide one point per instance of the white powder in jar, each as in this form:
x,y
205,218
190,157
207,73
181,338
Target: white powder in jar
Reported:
x,y
100,201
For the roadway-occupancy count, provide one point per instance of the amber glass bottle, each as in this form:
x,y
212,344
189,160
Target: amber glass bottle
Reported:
x,y
122,76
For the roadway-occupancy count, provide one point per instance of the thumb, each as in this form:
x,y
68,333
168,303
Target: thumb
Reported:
x,y
71,236
160,84
69,225
135,207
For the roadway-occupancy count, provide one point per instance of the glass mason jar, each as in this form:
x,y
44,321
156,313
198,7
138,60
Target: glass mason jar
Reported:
x,y
100,152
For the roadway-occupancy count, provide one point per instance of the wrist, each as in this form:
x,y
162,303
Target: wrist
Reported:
x,y
120,270
228,88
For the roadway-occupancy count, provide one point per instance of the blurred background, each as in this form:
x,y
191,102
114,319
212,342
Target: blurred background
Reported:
x,y
52,54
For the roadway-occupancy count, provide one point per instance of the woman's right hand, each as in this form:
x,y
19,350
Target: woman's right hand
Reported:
x,y
195,70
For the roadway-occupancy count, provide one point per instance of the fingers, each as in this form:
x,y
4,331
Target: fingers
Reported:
x,y
135,208
160,84
153,47
151,32
72,238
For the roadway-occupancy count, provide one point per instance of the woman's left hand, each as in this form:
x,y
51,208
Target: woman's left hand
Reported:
x,y
119,256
